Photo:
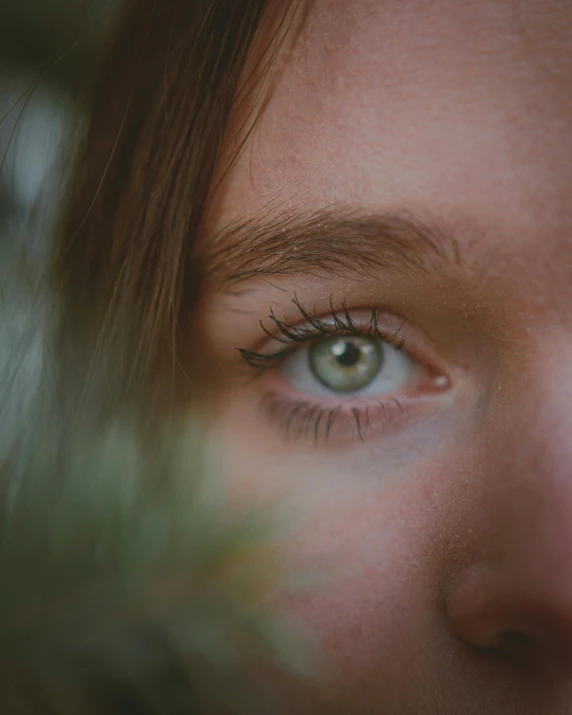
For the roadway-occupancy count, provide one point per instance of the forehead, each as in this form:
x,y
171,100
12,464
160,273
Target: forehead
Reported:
x,y
461,108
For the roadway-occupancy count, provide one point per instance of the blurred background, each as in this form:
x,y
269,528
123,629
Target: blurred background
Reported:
x,y
49,50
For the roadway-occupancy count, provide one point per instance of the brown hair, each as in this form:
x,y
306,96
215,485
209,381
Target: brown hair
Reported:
x,y
83,511
171,82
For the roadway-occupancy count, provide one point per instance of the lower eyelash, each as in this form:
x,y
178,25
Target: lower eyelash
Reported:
x,y
298,419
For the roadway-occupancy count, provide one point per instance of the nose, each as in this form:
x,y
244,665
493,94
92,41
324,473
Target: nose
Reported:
x,y
520,615
509,592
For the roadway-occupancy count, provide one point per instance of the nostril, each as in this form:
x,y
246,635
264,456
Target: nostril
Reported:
x,y
515,640
514,644
507,644
495,625
505,616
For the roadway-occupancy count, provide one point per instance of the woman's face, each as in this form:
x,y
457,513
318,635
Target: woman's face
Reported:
x,y
404,211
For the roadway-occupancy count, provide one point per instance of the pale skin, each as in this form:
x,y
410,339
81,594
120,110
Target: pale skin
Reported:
x,y
446,530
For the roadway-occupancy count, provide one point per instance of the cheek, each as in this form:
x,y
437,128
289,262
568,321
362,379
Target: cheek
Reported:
x,y
376,586
368,540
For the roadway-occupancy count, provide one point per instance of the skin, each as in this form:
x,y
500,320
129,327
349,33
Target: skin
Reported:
x,y
446,533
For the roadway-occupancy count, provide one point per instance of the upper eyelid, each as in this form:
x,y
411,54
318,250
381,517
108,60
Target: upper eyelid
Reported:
x,y
295,334
292,335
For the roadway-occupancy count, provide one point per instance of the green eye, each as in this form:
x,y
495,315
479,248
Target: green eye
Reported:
x,y
346,363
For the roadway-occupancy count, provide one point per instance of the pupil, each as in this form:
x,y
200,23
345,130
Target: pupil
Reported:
x,y
349,356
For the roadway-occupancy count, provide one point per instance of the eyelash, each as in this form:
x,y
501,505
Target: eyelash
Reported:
x,y
315,329
310,418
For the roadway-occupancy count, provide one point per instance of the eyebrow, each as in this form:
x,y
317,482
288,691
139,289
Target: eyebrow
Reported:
x,y
327,242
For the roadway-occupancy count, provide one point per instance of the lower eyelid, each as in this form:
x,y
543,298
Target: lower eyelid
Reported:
x,y
298,419
329,420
